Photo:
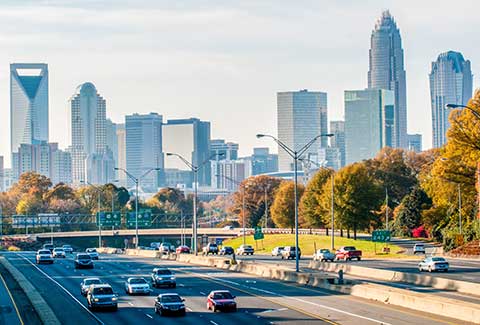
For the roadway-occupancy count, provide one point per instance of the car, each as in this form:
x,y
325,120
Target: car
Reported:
x,y
289,252
227,250
92,252
67,249
277,251
182,250
136,285
163,277
86,283
347,253
83,260
432,264
101,296
418,249
50,247
44,256
323,255
221,300
169,303
155,245
166,248
58,252
245,250
211,248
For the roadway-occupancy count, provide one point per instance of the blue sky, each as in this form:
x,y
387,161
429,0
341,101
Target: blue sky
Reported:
x,y
222,61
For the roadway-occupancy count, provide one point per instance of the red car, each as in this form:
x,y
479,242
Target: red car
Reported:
x,y
183,250
221,300
347,253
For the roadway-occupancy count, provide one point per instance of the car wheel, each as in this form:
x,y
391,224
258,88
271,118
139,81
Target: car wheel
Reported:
x,y
446,270
155,309
430,269
359,258
115,308
174,285
214,309
234,309
420,269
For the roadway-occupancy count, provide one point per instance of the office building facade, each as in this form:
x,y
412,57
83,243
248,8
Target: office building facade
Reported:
x,y
387,71
224,150
230,173
450,83
369,122
301,116
338,139
263,162
144,149
414,142
121,154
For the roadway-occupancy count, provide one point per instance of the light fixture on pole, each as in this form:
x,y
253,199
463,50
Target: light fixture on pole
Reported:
x,y
194,169
136,181
295,154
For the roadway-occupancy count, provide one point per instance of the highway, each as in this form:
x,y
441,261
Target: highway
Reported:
x,y
260,301
8,310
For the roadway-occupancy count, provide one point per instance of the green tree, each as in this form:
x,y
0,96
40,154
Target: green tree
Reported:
x,y
312,211
283,207
408,215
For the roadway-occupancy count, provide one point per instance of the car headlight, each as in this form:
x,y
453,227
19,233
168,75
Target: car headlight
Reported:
x,y
96,299
164,306
172,278
114,298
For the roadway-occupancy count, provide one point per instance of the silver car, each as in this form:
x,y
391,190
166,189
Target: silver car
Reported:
x,y
323,255
432,264
137,286
277,251
86,283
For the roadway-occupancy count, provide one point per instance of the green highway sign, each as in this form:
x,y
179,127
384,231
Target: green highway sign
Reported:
x,y
381,236
144,219
109,219
258,234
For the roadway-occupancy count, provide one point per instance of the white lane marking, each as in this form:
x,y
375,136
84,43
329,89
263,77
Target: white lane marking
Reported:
x,y
213,322
63,288
180,285
202,293
149,316
188,308
273,310
297,299
130,304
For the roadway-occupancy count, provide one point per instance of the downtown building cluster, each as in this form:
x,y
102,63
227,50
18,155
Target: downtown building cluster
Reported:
x,y
374,117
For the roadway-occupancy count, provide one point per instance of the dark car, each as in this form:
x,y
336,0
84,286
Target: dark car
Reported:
x,y
289,252
227,250
83,260
50,247
101,296
221,300
163,277
169,303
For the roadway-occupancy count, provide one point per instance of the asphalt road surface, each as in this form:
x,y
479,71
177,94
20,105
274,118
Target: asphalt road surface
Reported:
x,y
8,310
260,301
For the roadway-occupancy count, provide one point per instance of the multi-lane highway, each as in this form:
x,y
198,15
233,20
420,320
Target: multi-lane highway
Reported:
x,y
260,301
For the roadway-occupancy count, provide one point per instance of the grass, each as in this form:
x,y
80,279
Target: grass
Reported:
x,y
307,244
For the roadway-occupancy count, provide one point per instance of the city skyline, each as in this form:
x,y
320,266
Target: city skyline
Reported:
x,y
331,62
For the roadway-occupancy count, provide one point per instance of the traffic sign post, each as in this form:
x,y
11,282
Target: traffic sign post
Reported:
x,y
381,236
109,219
144,219
258,234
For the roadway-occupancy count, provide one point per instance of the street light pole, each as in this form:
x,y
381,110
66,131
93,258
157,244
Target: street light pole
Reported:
x,y
195,170
295,155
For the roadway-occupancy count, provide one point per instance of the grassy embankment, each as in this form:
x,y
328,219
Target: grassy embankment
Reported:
x,y
308,242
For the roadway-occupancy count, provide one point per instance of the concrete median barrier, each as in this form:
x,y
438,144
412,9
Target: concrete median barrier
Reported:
x,y
436,282
41,307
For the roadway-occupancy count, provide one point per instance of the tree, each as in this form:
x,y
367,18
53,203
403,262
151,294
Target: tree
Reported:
x,y
312,211
357,196
60,191
30,204
408,215
254,188
283,207
31,182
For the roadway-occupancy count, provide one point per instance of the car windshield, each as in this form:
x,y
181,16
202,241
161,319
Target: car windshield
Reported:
x,y
92,281
324,251
213,245
91,250
226,247
247,246
419,245
281,247
58,250
171,298
67,246
103,291
438,259
222,295
84,257
164,272
349,248
43,252
138,281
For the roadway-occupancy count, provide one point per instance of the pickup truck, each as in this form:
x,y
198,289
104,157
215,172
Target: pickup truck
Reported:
x,y
347,253
211,248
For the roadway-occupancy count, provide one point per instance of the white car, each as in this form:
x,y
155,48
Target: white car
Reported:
x,y
432,264
92,252
58,252
323,255
418,249
277,251
44,256
245,250
86,283
67,249
137,285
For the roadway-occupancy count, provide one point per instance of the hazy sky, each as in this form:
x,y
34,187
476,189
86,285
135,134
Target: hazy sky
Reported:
x,y
222,61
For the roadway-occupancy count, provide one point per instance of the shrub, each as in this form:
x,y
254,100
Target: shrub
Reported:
x,y
419,232
13,248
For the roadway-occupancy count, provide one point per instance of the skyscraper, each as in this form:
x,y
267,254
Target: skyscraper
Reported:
x,y
189,138
143,138
450,83
338,140
414,142
122,152
228,150
369,121
387,71
89,146
301,116
28,105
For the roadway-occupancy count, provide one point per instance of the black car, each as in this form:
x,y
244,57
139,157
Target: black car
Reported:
x,y
83,260
227,250
169,303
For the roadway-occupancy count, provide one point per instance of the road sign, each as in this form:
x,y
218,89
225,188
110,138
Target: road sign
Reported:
x,y
258,234
144,219
381,236
219,241
109,219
